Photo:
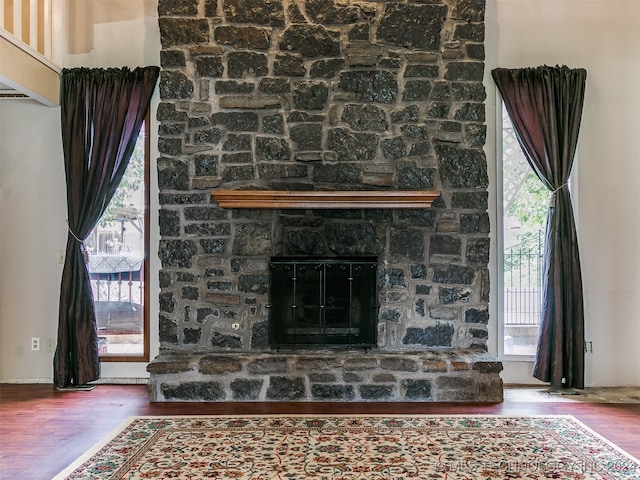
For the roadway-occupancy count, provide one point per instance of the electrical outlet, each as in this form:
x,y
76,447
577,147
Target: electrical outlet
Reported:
x,y
588,347
61,257
51,345
35,343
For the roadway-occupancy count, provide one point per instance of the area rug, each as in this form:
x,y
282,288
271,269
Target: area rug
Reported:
x,y
347,447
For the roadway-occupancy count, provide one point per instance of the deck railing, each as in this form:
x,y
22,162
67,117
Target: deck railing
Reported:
x,y
30,22
523,283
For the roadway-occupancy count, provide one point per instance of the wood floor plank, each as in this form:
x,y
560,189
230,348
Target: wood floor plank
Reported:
x,y
43,430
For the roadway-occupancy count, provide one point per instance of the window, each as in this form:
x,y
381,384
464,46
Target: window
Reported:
x,y
118,252
525,201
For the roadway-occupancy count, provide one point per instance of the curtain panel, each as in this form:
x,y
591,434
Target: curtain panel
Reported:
x,y
102,111
545,106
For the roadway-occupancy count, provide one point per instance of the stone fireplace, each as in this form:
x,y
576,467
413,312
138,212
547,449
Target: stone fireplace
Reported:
x,y
323,96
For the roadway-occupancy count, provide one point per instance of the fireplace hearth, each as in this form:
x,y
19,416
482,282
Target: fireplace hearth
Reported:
x,y
323,302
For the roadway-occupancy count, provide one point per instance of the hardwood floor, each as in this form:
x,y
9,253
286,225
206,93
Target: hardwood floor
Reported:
x,y
43,430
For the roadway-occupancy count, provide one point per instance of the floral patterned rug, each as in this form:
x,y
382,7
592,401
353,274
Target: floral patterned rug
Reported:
x,y
347,447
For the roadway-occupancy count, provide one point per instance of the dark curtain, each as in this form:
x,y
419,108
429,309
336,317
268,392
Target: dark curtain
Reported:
x,y
102,111
545,106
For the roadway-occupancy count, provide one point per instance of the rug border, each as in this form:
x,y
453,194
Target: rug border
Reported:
x,y
125,423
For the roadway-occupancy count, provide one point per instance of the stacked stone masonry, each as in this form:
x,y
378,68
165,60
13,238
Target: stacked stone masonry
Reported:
x,y
322,95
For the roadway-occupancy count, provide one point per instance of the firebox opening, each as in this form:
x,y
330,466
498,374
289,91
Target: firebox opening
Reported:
x,y
323,302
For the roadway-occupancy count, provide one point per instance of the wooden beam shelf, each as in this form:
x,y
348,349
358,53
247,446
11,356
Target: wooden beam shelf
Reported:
x,y
285,199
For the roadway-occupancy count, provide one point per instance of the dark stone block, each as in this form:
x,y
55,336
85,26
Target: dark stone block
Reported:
x,y
203,313
183,31
311,41
304,242
310,95
376,392
295,16
272,149
448,296
351,146
289,65
337,173
268,365
454,274
470,112
423,289
416,90
167,113
273,124
211,8
164,279
239,173
478,250
168,330
214,272
461,168
233,86
221,340
438,110
308,136
332,392
202,391
394,148
406,114
474,222
207,66
416,389
169,223
413,26
417,132
260,335
186,277
204,213
419,307
252,239
487,366
254,11
172,59
469,10
322,377
171,129
439,335
275,85
192,335
407,243
206,165
280,171
390,315
464,71
218,365
284,388
175,85
236,121
359,31
398,364
190,293
480,333
326,67
219,285
427,71
256,283
170,146
241,157
418,218
300,116
245,389
177,253
473,32
242,37
246,64
354,239
370,86
391,277
213,246
167,302
328,12
472,92
365,117
475,135
177,7
418,271
210,135
470,200
420,149
412,177
237,142
475,51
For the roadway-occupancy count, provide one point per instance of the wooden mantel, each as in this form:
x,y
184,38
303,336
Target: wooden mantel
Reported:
x,y
324,199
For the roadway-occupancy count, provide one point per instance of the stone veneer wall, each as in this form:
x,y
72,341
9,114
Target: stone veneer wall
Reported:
x,y
323,95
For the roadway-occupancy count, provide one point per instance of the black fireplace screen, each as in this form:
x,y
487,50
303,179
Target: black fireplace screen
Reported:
x,y
323,301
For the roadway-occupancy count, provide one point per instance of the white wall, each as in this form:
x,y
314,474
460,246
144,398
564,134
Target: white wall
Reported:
x,y
602,36
599,35
33,202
